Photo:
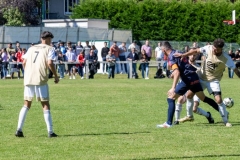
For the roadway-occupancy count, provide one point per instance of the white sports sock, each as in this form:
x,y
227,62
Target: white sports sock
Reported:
x,y
22,117
200,111
48,120
178,110
223,112
189,107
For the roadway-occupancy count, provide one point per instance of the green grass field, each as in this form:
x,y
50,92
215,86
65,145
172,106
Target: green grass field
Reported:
x,y
114,119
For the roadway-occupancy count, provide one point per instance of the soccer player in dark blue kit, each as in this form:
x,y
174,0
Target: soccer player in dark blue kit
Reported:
x,y
181,68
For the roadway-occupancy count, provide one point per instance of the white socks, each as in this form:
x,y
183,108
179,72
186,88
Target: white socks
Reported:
x,y
178,110
223,112
189,107
200,111
22,117
48,120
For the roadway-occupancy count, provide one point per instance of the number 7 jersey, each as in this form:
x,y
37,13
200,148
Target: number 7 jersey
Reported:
x,y
35,71
213,67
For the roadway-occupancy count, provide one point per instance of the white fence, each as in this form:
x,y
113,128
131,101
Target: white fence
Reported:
x,y
28,35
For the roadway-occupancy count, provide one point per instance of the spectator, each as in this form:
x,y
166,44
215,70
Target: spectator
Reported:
x,y
133,56
17,46
71,58
230,71
81,60
111,59
62,48
237,57
159,54
147,49
144,64
134,44
9,49
19,55
104,53
53,45
13,67
194,45
61,66
86,48
92,58
0,64
115,50
4,63
79,48
95,51
122,56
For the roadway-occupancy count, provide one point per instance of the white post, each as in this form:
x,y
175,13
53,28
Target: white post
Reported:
x,y
87,69
130,69
234,16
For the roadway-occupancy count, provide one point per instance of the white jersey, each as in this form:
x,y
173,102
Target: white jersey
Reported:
x,y
35,71
214,66
160,53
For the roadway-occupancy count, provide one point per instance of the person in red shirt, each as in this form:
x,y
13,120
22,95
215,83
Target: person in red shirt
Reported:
x,y
115,50
80,66
19,55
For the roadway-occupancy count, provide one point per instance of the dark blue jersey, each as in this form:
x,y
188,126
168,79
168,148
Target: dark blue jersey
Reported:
x,y
187,71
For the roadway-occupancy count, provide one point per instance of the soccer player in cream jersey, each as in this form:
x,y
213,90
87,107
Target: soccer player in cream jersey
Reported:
x,y
36,62
212,71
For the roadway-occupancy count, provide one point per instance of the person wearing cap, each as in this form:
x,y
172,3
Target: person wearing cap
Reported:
x,y
36,62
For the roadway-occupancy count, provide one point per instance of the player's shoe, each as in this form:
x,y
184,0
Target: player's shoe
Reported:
x,y
19,134
210,118
228,124
187,118
176,122
51,135
164,125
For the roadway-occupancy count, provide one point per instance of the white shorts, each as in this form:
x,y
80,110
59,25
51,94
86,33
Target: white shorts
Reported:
x,y
41,92
212,86
196,99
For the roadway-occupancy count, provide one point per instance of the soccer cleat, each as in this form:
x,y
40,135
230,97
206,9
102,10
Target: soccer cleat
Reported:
x,y
187,118
74,77
176,123
51,135
19,134
164,125
82,78
146,78
210,118
228,124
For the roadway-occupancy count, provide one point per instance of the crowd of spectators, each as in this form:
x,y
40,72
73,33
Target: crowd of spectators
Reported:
x,y
76,55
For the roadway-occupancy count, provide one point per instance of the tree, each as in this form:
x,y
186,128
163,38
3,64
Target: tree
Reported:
x,y
28,9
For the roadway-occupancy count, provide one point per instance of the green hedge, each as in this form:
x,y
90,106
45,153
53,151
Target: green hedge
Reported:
x,y
180,20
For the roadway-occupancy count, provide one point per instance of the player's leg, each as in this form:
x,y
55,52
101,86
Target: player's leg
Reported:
x,y
181,89
200,111
181,100
28,96
189,108
215,89
42,94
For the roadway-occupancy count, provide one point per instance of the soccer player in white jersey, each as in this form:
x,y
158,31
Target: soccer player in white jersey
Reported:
x,y
212,71
36,62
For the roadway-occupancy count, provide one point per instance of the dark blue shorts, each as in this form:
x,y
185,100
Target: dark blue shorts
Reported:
x,y
182,87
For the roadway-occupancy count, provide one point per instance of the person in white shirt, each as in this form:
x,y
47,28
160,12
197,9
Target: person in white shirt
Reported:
x,y
36,62
159,54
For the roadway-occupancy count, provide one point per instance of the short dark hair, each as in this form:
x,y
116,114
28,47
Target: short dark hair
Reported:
x,y
218,43
166,44
46,34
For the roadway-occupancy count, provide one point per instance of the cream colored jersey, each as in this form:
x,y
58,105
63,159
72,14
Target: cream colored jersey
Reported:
x,y
37,56
214,66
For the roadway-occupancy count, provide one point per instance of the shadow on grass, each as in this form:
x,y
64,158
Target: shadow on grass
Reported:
x,y
190,157
217,124
103,134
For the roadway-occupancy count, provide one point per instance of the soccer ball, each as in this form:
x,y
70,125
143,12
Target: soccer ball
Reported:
x,y
228,102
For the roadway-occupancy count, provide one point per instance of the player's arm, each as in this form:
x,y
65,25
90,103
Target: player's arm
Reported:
x,y
236,71
175,75
51,58
191,52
